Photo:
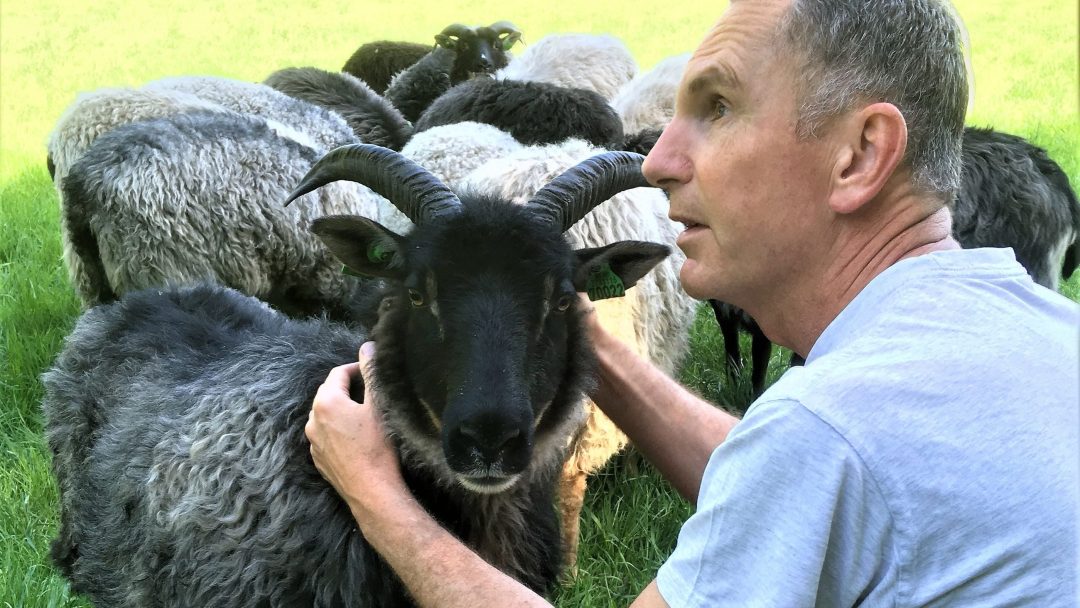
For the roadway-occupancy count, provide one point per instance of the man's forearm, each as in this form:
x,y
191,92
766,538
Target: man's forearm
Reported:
x,y
436,567
675,429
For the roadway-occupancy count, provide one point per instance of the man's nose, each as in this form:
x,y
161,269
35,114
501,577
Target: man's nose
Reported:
x,y
667,163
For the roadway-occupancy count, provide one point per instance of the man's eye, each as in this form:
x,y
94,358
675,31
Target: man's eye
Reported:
x,y
720,108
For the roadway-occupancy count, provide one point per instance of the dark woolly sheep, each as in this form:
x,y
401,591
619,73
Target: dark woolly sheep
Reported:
x,y
196,196
478,50
1013,195
373,119
413,90
175,416
533,112
641,142
731,319
376,63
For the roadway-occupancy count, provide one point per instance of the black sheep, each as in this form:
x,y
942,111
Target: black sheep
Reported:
x,y
532,112
479,50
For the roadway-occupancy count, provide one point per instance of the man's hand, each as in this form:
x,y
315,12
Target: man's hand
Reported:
x,y
348,443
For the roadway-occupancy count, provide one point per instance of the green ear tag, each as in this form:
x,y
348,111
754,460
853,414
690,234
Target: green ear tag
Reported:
x,y
377,254
603,283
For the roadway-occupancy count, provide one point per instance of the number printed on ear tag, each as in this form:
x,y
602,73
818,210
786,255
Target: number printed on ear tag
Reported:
x,y
603,283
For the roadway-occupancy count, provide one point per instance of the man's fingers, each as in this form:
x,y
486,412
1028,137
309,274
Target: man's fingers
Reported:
x,y
367,355
339,377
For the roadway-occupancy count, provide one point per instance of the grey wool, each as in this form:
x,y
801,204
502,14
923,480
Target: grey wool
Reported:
x,y
199,196
324,129
1012,194
371,117
98,112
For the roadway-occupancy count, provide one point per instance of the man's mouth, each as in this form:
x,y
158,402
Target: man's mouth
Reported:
x,y
688,224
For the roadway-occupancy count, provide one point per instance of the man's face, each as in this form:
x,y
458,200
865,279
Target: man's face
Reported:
x,y
748,190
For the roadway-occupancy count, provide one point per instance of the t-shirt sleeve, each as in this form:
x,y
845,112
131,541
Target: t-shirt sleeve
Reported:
x,y
788,515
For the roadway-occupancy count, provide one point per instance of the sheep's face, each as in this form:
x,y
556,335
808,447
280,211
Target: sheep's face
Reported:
x,y
480,50
481,351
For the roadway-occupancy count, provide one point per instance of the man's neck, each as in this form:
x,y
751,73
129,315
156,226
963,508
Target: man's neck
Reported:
x,y
864,248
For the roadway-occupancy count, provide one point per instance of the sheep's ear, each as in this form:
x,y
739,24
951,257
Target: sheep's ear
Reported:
x,y
607,272
363,245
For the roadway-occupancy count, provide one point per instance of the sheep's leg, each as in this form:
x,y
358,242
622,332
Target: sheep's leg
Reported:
x,y
730,330
571,500
761,351
590,449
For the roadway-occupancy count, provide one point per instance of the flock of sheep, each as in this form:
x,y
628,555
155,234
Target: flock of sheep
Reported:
x,y
466,186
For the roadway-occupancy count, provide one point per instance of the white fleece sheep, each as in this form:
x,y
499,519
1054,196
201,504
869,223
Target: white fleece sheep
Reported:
x,y
450,152
648,101
598,63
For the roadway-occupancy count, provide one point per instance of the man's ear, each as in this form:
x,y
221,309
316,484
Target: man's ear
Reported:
x,y
363,245
607,272
875,144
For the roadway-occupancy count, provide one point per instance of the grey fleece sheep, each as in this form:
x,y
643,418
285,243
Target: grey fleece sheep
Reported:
x,y
97,112
198,196
533,112
325,129
373,119
175,416
1013,195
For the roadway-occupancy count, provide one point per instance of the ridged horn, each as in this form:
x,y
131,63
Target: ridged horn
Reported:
x,y
456,29
567,198
504,27
410,187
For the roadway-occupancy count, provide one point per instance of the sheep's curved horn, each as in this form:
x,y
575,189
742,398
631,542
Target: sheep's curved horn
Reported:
x,y
457,29
410,187
567,198
504,27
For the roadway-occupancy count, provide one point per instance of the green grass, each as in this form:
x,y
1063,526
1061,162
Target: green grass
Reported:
x,y
1025,63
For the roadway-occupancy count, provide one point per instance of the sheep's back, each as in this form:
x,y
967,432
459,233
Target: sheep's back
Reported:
x,y
533,112
174,465
199,196
1013,195
97,112
319,127
598,63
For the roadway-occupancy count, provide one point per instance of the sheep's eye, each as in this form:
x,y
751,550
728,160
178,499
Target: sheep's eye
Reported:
x,y
564,302
416,298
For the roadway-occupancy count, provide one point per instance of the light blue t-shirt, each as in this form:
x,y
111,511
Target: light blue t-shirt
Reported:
x,y
927,454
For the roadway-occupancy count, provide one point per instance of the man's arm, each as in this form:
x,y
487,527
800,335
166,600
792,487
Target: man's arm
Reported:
x,y
675,429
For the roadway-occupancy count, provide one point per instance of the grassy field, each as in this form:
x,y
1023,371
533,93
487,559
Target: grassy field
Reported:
x,y
1025,63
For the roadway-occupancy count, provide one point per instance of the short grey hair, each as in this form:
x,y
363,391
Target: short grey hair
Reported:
x,y
905,52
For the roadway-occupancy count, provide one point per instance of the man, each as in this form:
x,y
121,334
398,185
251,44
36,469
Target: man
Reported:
x,y
926,454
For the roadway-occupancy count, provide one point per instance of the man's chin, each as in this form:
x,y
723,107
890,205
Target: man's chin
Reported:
x,y
692,281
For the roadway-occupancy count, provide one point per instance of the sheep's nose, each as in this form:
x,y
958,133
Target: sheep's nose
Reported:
x,y
485,62
490,443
